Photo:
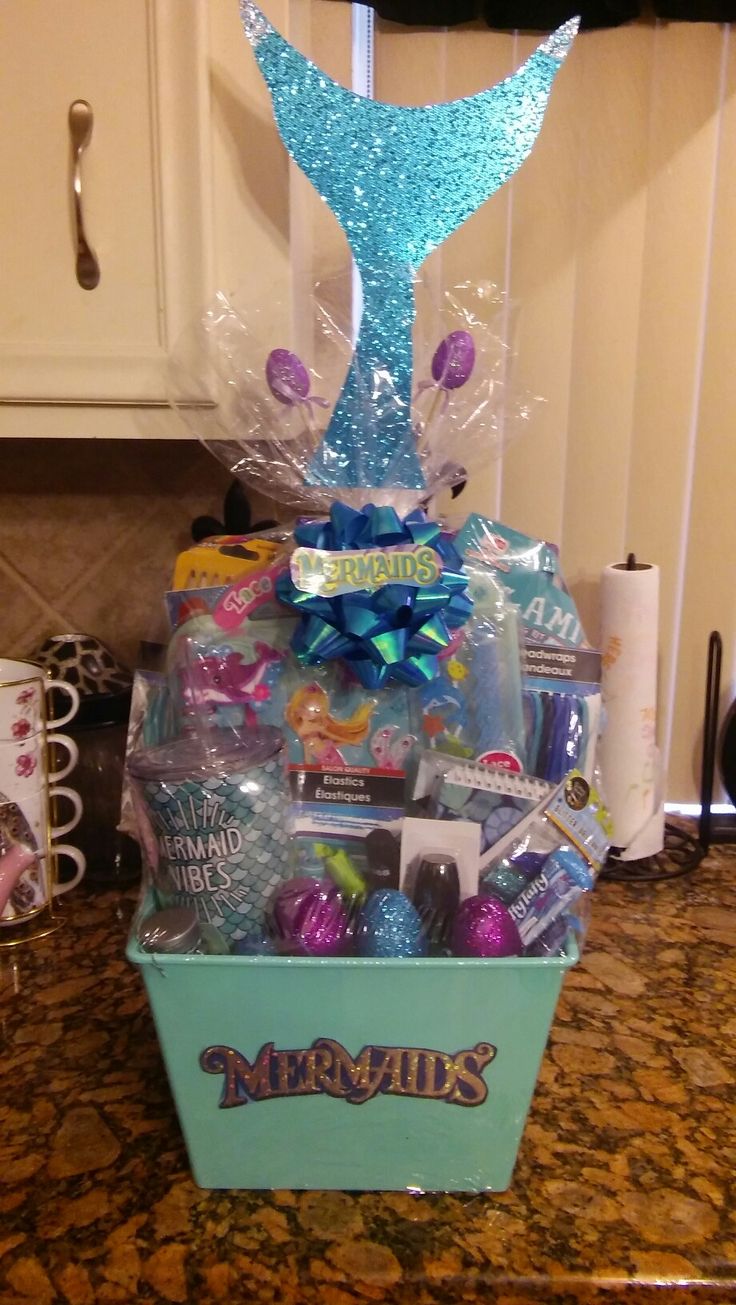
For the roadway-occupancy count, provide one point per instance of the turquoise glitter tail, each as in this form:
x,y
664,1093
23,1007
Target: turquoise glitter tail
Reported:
x,y
399,180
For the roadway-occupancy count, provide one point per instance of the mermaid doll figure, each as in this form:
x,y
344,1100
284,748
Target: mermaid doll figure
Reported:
x,y
308,714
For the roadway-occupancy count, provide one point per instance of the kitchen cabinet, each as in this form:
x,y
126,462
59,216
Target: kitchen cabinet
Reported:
x,y
186,188
77,361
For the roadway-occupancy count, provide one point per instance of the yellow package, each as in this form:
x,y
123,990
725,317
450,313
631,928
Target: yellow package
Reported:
x,y
221,559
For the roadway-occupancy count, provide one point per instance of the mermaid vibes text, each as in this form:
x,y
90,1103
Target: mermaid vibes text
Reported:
x,y
204,856
327,1068
197,855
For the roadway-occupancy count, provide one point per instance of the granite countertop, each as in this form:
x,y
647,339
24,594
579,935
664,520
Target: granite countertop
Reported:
x,y
621,1191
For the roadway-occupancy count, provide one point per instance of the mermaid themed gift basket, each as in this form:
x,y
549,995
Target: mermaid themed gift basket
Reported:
x,y
365,784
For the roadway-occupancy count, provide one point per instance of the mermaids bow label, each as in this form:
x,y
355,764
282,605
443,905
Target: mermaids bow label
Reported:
x,y
326,1068
318,571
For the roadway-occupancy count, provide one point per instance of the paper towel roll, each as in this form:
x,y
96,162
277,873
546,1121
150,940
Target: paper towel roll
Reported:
x,y
629,759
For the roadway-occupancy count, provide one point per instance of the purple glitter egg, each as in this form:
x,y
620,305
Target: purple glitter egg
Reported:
x,y
484,927
286,376
308,918
454,360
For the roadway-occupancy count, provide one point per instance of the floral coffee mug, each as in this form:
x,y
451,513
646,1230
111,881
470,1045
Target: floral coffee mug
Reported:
x,y
24,687
29,789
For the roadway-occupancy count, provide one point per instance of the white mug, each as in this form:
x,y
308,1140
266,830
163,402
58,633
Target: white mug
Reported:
x,y
27,787
24,687
25,765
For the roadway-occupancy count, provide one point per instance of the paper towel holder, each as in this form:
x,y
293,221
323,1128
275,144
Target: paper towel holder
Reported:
x,y
681,853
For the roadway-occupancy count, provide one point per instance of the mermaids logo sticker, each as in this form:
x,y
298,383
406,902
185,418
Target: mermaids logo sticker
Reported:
x,y
317,571
326,1068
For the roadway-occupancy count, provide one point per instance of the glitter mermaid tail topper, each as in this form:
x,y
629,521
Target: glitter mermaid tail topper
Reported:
x,y
399,180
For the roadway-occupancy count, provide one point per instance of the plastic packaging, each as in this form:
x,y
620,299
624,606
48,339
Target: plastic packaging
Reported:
x,y
552,863
502,802
473,708
530,572
227,680
560,672
265,390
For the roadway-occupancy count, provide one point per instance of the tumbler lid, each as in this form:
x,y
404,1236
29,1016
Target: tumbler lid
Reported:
x,y
218,752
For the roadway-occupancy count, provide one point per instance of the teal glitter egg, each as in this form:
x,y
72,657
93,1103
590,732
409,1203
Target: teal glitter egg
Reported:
x,y
389,925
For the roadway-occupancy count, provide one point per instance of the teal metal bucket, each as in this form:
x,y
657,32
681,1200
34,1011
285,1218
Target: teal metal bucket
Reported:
x,y
352,1073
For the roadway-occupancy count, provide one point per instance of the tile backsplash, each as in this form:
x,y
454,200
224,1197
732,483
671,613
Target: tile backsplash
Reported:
x,y
89,530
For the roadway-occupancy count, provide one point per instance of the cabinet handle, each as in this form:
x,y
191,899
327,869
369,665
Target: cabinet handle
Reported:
x,y
81,120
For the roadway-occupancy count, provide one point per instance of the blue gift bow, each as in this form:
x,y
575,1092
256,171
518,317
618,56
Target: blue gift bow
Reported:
x,y
396,632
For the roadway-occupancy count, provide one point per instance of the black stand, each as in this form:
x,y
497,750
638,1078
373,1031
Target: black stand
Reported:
x,y
712,829
681,854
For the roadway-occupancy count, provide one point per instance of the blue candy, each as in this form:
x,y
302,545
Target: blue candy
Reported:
x,y
574,865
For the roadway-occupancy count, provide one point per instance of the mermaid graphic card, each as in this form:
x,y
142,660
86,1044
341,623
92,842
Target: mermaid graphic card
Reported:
x,y
349,752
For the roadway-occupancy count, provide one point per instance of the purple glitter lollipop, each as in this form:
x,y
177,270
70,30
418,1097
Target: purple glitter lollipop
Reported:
x,y
454,360
289,380
308,918
484,927
287,377
452,364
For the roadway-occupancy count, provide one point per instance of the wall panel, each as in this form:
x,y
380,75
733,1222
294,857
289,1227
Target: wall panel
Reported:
x,y
614,243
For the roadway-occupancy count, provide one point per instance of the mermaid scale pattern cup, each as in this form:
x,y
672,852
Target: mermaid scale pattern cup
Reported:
x,y
215,829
